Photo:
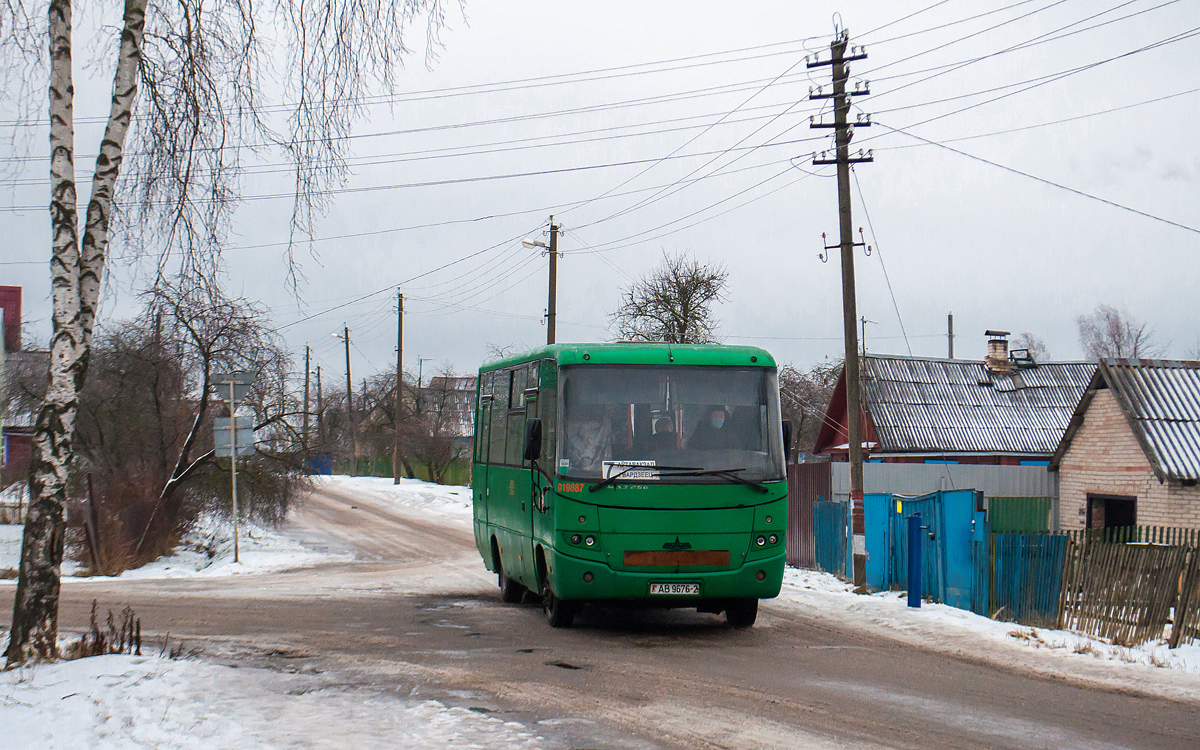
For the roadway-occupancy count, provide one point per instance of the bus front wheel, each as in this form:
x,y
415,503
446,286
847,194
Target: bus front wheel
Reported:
x,y
559,613
741,613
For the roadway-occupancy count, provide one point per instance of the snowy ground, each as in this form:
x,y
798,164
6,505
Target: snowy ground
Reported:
x,y
1152,666
123,702
207,550
447,503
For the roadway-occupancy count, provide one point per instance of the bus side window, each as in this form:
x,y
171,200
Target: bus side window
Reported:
x,y
548,409
515,440
482,430
499,417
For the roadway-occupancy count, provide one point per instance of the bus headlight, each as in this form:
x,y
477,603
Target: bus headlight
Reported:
x,y
762,540
772,539
590,541
575,538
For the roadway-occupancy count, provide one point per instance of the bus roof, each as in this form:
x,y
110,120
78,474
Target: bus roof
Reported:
x,y
640,353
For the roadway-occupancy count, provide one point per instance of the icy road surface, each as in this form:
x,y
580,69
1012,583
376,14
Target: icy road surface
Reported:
x,y
396,626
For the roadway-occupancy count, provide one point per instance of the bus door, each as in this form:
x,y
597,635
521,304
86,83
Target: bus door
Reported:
x,y
529,506
483,442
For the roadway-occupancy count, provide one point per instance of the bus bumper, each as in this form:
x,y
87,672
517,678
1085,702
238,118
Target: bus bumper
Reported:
x,y
567,577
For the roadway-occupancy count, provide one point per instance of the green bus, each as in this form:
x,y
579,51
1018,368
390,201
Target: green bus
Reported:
x,y
620,473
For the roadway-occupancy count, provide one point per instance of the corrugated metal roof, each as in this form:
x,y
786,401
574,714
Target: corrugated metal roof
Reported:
x,y
958,406
1162,398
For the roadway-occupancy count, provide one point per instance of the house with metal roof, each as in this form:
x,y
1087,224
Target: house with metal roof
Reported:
x,y
1006,409
1131,452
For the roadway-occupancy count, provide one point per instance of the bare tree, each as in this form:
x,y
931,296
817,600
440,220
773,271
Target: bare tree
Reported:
x,y
673,303
204,71
1109,332
1034,344
804,399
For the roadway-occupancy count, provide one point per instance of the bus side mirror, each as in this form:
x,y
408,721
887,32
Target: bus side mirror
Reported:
x,y
533,439
787,437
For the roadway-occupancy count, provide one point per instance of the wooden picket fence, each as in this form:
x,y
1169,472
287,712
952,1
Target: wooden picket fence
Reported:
x,y
1122,584
1168,535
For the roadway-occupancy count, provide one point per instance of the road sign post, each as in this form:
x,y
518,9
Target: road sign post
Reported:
x,y
232,387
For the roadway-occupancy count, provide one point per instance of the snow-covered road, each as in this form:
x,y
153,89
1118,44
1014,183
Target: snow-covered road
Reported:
x,y
386,630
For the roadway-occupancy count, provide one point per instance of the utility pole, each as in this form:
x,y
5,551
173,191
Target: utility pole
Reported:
x,y
349,397
552,299
304,430
864,321
320,412
843,132
421,370
399,398
950,333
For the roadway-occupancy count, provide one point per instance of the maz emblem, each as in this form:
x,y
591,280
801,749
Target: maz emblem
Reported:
x,y
677,545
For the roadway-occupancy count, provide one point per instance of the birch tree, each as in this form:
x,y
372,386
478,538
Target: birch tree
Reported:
x,y
190,91
1110,332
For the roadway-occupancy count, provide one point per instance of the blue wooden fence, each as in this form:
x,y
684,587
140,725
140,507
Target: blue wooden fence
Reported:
x,y
1027,576
829,528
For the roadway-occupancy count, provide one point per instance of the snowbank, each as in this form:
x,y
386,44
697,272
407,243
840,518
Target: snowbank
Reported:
x,y
946,628
206,551
446,502
143,701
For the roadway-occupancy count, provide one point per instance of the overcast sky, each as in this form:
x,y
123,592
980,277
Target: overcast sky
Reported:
x,y
684,126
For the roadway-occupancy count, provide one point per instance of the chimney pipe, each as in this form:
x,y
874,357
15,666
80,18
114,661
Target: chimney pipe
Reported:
x,y
997,353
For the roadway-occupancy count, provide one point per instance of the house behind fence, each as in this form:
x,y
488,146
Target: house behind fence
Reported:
x,y
1131,454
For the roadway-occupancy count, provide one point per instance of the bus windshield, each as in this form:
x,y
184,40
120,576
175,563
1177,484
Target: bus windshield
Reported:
x,y
690,423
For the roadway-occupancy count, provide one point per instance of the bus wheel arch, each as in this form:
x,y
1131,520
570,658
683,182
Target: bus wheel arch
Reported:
x,y
511,592
559,613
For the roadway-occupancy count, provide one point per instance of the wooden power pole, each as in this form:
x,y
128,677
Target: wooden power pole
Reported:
x,y
320,413
350,404
399,397
552,299
950,333
843,132
304,429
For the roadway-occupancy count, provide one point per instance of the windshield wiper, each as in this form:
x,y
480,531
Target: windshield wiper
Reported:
x,y
731,474
630,467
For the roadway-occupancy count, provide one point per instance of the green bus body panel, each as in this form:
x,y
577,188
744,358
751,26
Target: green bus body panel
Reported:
x,y
641,354
532,535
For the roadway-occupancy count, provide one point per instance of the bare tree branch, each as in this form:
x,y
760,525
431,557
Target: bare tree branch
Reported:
x,y
1109,332
673,303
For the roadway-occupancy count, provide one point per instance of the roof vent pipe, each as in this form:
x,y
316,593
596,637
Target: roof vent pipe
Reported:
x,y
997,352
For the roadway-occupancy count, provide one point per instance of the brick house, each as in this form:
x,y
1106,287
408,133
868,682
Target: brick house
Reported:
x,y
1131,453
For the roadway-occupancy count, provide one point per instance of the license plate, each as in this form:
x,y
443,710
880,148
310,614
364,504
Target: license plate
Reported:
x,y
675,589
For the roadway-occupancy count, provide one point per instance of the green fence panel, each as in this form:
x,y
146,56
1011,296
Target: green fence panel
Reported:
x,y
1020,515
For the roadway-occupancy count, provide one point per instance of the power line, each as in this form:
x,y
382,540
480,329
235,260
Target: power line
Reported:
x,y
879,254
692,140
597,74
1044,181
391,287
1054,77
483,178
1040,39
1047,124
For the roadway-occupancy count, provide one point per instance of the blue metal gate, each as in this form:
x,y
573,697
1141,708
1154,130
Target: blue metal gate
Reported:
x,y
952,526
829,528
